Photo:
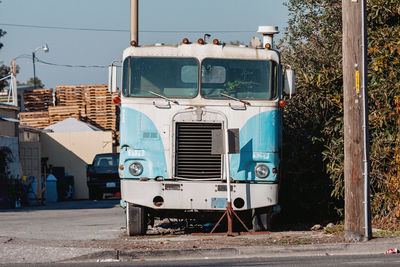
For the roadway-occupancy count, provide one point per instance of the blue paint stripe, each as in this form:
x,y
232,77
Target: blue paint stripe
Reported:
x,y
141,137
260,142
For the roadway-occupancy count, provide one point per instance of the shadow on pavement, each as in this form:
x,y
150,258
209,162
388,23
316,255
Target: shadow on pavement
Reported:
x,y
68,205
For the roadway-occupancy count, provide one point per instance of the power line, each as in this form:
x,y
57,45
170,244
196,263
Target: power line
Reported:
x,y
60,28
116,30
38,60
72,66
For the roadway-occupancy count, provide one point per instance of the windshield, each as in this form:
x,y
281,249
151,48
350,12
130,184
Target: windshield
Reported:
x,y
106,161
170,77
220,78
242,79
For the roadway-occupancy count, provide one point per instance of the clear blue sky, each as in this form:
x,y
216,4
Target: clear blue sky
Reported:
x,y
74,47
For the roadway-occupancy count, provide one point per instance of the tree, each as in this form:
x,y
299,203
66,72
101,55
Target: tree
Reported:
x,y
313,173
384,104
30,82
313,118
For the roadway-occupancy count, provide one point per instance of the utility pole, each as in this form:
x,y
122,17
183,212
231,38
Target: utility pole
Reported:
x,y
34,70
357,224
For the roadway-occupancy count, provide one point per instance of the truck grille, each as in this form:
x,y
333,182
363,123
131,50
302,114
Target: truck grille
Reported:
x,y
193,151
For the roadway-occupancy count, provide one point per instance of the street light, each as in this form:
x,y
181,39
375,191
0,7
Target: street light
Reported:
x,y
45,48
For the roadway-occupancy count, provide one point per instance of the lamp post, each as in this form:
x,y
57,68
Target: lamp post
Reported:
x,y
45,48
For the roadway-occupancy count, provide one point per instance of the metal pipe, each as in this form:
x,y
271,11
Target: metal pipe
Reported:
x,y
228,182
365,123
4,78
227,170
268,33
135,21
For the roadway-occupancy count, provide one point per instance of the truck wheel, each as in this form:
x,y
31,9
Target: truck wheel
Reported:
x,y
136,220
262,219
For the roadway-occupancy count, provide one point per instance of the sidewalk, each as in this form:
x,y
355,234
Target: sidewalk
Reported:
x,y
28,253
362,248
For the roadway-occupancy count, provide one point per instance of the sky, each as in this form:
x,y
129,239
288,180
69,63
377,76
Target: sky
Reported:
x,y
105,33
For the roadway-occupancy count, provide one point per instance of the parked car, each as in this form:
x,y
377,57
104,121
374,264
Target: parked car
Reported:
x,y
102,175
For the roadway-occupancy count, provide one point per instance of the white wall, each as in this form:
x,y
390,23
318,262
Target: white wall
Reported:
x,y
73,151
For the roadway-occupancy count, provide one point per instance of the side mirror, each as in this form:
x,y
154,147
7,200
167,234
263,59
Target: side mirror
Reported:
x,y
290,88
112,79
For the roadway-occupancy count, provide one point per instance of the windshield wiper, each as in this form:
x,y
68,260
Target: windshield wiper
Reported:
x,y
234,98
163,97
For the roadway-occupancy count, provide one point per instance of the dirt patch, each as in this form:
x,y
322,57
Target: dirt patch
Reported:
x,y
189,241
168,235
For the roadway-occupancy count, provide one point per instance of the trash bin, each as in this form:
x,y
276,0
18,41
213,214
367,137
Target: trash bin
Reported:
x,y
51,188
65,187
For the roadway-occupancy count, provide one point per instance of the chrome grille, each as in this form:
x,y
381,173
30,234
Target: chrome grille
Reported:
x,y
193,151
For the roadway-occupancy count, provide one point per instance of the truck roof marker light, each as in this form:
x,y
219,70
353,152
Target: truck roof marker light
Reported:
x,y
117,100
282,103
268,46
216,41
185,41
133,43
200,41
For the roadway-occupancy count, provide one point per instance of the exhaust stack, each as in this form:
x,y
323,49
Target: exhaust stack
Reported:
x,y
268,34
135,21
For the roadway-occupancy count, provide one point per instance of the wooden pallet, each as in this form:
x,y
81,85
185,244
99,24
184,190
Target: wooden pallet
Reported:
x,y
70,95
38,99
93,110
38,119
60,113
90,103
100,108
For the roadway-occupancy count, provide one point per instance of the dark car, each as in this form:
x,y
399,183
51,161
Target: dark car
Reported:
x,y
102,175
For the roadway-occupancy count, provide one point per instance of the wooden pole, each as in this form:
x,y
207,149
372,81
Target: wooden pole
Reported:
x,y
357,226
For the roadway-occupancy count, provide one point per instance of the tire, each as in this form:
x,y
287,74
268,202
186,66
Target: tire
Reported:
x,y
136,220
261,219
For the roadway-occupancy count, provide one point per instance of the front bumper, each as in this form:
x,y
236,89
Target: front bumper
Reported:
x,y
105,185
197,195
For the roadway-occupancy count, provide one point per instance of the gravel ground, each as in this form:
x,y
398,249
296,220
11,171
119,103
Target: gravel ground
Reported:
x,y
162,237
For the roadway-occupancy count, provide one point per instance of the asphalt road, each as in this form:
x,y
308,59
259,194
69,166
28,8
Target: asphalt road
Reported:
x,y
71,220
353,260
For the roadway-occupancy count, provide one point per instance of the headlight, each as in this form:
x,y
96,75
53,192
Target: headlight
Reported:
x,y
136,169
261,171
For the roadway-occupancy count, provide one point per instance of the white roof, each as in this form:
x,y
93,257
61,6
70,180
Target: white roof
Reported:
x,y
202,51
71,125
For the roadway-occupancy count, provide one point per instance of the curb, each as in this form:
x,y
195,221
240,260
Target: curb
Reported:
x,y
241,252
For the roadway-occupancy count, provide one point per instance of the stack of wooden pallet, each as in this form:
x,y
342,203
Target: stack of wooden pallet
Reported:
x,y
90,103
100,109
71,95
38,99
36,103
60,113
38,119
4,96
